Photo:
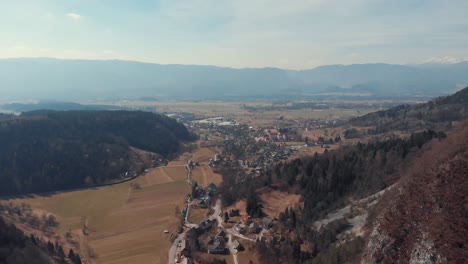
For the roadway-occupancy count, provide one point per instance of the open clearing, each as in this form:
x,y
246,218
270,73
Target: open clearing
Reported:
x,y
204,175
203,155
197,215
125,224
275,202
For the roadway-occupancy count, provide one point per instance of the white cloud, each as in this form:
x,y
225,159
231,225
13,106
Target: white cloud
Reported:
x,y
74,16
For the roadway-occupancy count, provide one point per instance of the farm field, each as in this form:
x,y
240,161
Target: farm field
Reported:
x,y
203,174
125,223
203,155
236,111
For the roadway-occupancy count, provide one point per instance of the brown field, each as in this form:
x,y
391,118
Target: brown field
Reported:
x,y
240,205
204,175
203,155
125,224
275,202
209,258
235,111
197,215
325,132
310,151
248,254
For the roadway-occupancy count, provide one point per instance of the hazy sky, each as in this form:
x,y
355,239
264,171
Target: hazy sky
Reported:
x,y
293,34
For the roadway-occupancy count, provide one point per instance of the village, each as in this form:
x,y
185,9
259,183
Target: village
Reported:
x,y
250,151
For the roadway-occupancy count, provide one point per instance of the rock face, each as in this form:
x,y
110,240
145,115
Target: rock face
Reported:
x,y
423,252
425,218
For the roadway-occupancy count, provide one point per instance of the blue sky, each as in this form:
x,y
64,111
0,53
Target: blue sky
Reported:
x,y
293,34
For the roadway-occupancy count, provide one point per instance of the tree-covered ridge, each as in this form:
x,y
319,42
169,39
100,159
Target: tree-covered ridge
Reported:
x,y
327,180
434,114
49,151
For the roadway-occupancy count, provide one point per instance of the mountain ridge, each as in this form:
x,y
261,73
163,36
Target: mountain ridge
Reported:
x,y
45,78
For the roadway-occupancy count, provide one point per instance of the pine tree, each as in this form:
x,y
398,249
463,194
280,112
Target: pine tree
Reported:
x,y
226,217
50,247
71,255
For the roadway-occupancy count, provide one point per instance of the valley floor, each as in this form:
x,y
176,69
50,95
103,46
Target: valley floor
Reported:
x,y
125,223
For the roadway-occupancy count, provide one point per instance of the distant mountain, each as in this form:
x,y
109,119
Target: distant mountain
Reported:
x,y
50,151
56,106
434,114
99,79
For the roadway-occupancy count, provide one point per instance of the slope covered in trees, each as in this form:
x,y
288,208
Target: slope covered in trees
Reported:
x,y
424,218
434,114
48,151
16,247
326,182
356,171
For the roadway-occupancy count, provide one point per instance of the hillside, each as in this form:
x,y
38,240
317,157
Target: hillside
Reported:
x,y
400,200
424,219
87,79
16,247
435,114
49,151
325,183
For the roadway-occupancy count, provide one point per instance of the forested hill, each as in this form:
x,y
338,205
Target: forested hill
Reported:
x,y
327,182
434,114
49,151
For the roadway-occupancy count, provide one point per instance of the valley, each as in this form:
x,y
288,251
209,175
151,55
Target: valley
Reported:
x,y
124,223
288,187
233,132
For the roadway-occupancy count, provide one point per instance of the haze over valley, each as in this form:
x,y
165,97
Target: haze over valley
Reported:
x,y
239,132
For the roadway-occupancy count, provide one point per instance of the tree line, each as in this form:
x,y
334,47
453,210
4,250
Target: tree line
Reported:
x,y
17,247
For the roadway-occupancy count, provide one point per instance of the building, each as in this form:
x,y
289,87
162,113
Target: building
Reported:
x,y
218,247
254,228
267,222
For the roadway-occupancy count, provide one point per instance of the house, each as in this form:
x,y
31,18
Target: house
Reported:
x,y
237,246
239,229
202,204
212,188
221,234
255,228
205,225
217,247
267,222
245,218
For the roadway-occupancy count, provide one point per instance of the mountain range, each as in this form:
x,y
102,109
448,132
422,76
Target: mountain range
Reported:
x,y
57,79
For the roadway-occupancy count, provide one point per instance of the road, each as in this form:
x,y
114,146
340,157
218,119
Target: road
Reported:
x,y
231,248
187,227
173,249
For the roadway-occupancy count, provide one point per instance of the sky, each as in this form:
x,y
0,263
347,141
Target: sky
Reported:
x,y
290,34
